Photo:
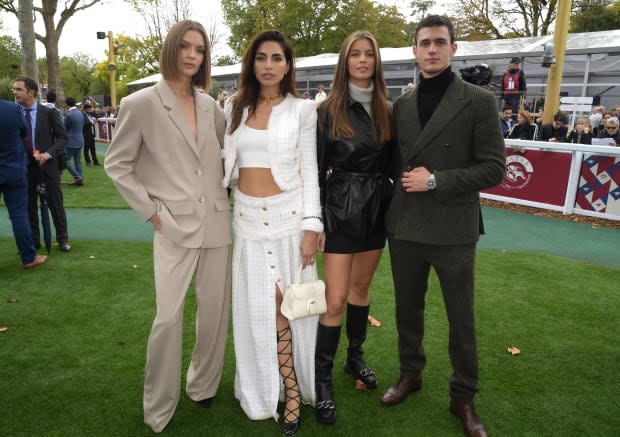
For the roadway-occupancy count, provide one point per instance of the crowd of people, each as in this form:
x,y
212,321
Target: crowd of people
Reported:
x,y
600,125
342,174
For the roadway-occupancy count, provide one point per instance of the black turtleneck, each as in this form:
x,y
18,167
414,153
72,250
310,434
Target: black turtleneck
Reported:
x,y
431,92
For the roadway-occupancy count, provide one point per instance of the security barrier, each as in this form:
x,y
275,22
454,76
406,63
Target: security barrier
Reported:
x,y
571,178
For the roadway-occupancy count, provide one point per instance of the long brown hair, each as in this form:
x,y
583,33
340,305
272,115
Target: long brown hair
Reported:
x,y
249,86
169,60
337,103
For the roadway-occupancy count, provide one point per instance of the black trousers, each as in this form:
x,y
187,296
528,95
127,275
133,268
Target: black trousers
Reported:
x,y
454,265
90,149
54,201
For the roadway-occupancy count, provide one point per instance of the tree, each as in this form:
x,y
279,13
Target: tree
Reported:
x,y
419,8
160,16
53,30
496,19
312,26
77,73
10,57
596,15
135,59
27,36
226,60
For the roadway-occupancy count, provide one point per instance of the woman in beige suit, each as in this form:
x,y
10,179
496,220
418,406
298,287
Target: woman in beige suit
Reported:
x,y
165,159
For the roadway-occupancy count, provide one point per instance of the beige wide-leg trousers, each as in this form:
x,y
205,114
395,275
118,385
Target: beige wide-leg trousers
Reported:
x,y
174,267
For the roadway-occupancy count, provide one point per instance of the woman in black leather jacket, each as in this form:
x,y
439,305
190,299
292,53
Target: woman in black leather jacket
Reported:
x,y
354,152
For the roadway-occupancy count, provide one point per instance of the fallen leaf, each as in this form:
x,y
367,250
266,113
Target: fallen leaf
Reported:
x,y
359,385
91,257
513,350
3,329
12,300
374,322
121,341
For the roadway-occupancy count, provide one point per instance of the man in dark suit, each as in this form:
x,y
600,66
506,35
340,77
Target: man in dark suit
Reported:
x,y
450,146
48,135
13,182
89,136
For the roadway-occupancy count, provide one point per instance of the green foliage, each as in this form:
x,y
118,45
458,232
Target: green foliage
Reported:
x,y
135,58
77,74
596,15
6,86
314,26
227,60
10,57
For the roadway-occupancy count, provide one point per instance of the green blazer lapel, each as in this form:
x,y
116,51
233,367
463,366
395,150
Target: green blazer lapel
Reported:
x,y
453,102
409,125
175,112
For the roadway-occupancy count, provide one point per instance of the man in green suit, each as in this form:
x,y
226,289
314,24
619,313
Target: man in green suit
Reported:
x,y
450,146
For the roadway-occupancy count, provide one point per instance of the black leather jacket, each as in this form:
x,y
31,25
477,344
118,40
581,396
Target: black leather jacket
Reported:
x,y
353,176
361,153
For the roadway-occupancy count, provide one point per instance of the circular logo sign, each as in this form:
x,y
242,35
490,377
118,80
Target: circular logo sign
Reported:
x,y
519,172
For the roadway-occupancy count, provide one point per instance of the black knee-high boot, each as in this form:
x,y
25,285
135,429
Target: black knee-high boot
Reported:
x,y
326,346
357,322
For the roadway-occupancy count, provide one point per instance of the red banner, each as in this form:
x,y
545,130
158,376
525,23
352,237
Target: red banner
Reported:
x,y
103,130
535,175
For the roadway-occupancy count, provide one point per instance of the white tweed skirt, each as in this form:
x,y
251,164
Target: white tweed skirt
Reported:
x,y
266,256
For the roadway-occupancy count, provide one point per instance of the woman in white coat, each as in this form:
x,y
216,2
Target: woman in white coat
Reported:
x,y
270,155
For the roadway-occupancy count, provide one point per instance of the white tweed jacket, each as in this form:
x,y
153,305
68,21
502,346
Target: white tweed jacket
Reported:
x,y
291,134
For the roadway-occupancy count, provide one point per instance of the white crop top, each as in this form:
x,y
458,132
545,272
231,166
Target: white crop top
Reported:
x,y
252,148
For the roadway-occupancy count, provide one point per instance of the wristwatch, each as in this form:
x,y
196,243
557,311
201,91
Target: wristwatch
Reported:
x,y
431,184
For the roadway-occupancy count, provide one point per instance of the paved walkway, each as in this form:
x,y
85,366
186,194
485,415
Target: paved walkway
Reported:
x,y
505,230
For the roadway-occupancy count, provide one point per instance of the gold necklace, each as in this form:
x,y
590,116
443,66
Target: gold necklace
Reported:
x,y
268,98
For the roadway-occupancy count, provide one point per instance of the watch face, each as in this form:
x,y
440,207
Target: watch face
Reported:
x,y
431,184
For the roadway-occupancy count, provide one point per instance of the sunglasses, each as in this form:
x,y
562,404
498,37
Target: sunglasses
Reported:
x,y
611,127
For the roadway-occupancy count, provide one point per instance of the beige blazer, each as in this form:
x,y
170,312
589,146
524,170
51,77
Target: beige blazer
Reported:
x,y
159,167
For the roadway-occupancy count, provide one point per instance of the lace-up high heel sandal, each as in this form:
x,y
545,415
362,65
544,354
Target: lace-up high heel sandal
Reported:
x,y
291,418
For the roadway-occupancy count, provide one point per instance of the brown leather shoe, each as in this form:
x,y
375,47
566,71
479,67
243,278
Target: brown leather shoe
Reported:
x,y
38,259
472,425
399,391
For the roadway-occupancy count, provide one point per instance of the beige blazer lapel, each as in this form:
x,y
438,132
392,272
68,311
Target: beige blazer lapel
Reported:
x,y
203,113
453,102
175,112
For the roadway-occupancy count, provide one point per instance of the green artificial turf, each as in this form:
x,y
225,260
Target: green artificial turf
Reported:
x,y
72,357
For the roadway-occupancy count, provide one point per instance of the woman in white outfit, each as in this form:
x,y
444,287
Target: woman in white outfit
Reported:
x,y
270,155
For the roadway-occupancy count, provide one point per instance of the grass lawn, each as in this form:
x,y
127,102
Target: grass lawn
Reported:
x,y
72,358
98,190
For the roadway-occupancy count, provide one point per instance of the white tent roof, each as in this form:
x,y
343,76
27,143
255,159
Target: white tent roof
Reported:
x,y
577,43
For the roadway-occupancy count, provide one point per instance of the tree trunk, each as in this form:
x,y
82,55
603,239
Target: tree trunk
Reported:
x,y
50,40
30,67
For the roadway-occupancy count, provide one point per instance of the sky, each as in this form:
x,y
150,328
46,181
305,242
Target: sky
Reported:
x,y
79,34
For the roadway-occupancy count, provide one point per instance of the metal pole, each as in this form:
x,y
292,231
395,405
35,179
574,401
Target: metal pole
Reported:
x,y
112,69
554,76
